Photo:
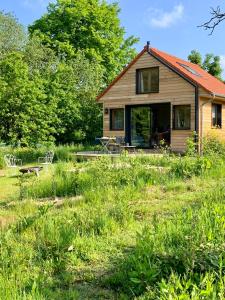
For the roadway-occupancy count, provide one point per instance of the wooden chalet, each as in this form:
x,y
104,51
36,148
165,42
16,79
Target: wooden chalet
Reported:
x,y
161,97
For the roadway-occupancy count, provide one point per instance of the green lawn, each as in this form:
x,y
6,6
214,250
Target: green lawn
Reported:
x,y
71,233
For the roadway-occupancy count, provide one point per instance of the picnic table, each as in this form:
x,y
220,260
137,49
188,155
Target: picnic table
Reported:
x,y
105,141
29,170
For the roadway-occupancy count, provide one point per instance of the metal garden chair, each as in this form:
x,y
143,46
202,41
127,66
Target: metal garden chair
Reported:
x,y
11,161
47,159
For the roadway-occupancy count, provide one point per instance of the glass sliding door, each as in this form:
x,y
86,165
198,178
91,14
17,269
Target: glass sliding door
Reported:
x,y
140,123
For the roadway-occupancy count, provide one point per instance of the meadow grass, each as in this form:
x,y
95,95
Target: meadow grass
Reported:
x,y
136,228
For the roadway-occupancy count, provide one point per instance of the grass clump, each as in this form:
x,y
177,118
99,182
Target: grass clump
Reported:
x,y
2,163
184,251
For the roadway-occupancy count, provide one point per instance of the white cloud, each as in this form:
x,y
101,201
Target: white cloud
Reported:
x,y
222,59
162,19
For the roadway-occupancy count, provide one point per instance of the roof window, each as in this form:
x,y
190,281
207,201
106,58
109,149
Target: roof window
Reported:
x,y
189,69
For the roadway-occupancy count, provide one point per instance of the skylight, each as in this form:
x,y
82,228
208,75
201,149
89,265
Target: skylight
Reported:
x,y
189,69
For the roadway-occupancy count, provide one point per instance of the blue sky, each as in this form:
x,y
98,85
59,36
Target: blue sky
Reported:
x,y
170,25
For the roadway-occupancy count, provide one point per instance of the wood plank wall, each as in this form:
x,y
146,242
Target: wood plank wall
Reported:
x,y
205,112
172,88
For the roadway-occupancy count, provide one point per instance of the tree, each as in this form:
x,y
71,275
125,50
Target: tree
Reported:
x,y
75,86
211,63
217,16
27,115
195,57
92,26
12,34
40,58
55,104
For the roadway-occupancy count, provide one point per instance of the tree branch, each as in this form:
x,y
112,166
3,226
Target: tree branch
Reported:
x,y
217,16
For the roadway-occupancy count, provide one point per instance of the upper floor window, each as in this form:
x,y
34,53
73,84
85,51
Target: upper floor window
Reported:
x,y
182,117
117,119
148,80
216,115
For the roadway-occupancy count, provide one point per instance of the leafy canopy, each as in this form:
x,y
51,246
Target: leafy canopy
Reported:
x,y
75,85
43,96
24,104
12,34
195,57
92,26
211,63
45,99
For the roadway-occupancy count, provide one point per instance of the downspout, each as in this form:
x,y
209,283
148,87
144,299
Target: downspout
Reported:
x,y
202,120
197,118
196,95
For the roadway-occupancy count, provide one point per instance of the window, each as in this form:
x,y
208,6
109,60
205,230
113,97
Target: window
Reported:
x,y
182,117
217,115
148,80
189,69
117,119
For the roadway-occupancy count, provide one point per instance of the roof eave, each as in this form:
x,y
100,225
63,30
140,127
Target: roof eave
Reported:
x,y
121,74
218,95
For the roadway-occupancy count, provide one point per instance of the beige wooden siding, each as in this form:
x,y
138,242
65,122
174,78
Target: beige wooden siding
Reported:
x,y
205,118
172,88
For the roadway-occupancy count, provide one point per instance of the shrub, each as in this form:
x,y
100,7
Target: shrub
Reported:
x,y
186,167
213,144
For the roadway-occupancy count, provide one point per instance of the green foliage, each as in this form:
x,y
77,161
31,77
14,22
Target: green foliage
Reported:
x,y
82,245
70,26
12,34
75,86
211,63
213,146
41,60
185,252
64,91
45,98
24,104
113,177
63,153
192,145
186,167
2,163
186,288
195,57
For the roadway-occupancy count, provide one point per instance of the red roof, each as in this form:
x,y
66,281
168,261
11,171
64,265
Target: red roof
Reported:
x,y
189,70
193,72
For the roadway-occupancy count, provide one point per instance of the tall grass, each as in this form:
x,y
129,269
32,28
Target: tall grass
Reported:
x,y
2,163
50,251
186,252
68,179
31,155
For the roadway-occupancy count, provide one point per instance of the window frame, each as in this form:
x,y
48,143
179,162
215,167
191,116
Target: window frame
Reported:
x,y
221,113
111,128
138,92
181,105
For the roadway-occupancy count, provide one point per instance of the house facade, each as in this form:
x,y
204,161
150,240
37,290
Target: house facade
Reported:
x,y
161,97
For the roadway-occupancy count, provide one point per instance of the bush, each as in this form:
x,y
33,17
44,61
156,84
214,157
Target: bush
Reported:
x,y
186,167
30,155
212,145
